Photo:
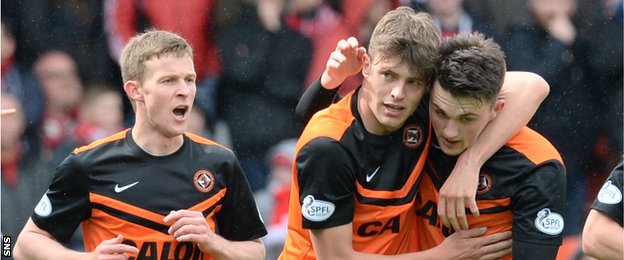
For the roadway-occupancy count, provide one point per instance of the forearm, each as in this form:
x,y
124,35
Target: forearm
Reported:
x,y
602,237
315,98
238,249
31,245
523,92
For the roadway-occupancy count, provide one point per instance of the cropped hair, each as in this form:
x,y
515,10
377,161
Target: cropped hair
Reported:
x,y
410,36
145,46
469,65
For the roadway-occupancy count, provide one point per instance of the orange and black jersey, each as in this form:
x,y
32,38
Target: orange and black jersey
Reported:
x,y
521,188
114,187
609,199
344,174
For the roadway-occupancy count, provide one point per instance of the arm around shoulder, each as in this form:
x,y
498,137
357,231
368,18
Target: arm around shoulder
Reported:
x,y
602,238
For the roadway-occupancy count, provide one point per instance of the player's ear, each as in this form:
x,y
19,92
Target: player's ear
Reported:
x,y
366,65
133,90
500,103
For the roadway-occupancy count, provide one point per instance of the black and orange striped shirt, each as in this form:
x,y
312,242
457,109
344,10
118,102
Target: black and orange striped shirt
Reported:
x,y
114,187
521,188
344,174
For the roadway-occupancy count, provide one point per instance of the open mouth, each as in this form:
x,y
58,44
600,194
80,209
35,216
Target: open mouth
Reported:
x,y
393,109
180,111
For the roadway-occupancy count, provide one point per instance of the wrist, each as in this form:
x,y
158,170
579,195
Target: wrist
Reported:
x,y
328,82
472,157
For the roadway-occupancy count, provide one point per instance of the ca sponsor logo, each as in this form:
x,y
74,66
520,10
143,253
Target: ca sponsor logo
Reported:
x,y
609,194
44,207
549,222
316,210
166,250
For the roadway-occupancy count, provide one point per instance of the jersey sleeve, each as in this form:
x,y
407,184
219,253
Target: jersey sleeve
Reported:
x,y
239,218
538,207
326,184
609,199
314,99
66,203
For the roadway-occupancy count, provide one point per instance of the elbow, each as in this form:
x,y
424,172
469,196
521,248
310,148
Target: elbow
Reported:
x,y
589,241
539,86
18,251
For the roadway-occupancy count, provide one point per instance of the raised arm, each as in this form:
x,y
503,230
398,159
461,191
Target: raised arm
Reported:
x,y
343,62
36,243
522,92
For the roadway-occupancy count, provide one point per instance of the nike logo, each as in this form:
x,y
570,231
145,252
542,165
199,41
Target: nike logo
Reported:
x,y
123,188
369,177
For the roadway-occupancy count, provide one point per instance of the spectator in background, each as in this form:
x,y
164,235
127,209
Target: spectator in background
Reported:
x,y
124,18
328,21
73,26
198,124
19,80
100,114
451,18
24,176
273,199
63,89
550,46
264,67
602,31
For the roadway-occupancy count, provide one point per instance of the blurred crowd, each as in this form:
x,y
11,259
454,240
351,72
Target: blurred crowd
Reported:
x,y
254,58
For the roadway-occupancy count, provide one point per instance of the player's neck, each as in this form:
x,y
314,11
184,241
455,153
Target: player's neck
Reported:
x,y
155,143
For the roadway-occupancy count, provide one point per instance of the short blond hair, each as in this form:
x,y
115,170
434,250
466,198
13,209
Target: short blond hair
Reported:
x,y
143,47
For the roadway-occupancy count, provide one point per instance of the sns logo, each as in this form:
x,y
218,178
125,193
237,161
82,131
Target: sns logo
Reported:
x,y
609,194
316,210
548,222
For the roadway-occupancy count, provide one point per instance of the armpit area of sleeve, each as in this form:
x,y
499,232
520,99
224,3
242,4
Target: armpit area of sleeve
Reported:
x,y
326,181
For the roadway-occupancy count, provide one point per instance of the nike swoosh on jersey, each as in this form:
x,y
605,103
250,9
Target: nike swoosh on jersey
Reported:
x,y
123,188
369,177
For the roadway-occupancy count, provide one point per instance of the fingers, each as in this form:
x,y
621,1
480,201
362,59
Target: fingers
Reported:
x,y
8,111
114,249
186,222
461,216
497,250
473,232
474,209
497,237
451,214
190,232
442,212
174,215
353,43
119,249
112,241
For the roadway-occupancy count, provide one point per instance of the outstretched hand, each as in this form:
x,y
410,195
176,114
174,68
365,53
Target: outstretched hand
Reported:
x,y
343,62
113,249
